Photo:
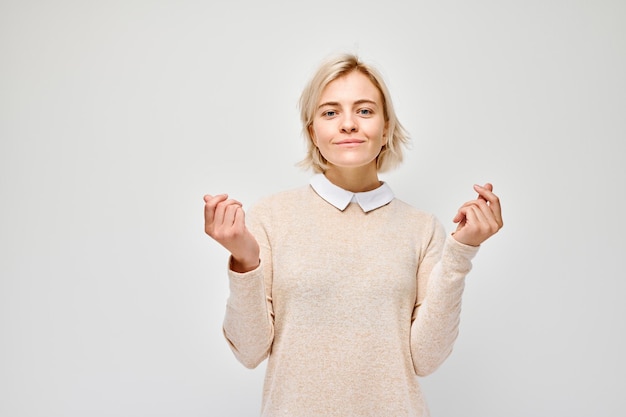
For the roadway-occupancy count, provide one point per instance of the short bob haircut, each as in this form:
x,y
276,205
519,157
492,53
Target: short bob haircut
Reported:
x,y
390,155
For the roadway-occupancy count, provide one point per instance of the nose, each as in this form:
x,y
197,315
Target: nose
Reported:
x,y
348,124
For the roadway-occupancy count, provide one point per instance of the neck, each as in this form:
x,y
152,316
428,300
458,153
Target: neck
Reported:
x,y
356,180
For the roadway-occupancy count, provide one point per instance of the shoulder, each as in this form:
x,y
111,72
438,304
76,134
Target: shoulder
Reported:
x,y
400,207
280,211
283,201
286,197
415,218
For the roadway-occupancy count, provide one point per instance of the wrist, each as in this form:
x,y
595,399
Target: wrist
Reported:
x,y
243,265
464,240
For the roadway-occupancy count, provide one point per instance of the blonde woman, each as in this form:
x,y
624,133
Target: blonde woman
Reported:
x,y
348,292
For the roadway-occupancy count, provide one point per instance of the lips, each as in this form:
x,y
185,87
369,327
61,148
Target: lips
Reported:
x,y
349,142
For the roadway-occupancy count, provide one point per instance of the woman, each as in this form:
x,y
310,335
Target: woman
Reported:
x,y
349,292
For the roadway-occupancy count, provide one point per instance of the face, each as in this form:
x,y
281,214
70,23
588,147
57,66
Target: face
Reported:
x,y
349,125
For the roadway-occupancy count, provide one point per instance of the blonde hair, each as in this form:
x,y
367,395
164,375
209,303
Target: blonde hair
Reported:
x,y
338,66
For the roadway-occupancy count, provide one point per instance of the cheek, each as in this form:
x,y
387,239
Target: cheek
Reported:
x,y
319,135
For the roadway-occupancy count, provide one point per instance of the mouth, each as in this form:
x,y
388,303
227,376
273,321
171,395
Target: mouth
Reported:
x,y
349,142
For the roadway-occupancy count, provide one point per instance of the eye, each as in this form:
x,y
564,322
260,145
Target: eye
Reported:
x,y
329,113
364,112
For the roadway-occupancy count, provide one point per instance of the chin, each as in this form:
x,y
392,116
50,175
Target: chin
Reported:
x,y
351,164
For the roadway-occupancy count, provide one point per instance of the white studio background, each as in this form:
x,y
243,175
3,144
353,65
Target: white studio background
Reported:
x,y
117,117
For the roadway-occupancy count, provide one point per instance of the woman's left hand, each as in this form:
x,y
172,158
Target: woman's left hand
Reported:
x,y
478,219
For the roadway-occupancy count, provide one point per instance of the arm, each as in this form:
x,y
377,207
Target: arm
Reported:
x,y
248,322
441,279
436,316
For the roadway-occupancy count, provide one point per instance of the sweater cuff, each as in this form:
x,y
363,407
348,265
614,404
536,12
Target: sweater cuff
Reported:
x,y
230,270
256,273
458,255
244,287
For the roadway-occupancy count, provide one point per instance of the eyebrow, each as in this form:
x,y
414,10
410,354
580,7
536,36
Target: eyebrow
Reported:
x,y
336,103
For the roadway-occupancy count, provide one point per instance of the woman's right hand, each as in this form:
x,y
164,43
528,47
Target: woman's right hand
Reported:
x,y
224,221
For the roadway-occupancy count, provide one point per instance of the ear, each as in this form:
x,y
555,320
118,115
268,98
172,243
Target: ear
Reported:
x,y
386,134
312,134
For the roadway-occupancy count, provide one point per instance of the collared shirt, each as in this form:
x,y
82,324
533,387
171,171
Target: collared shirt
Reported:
x,y
340,198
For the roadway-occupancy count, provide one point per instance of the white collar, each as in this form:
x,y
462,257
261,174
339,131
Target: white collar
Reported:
x,y
340,198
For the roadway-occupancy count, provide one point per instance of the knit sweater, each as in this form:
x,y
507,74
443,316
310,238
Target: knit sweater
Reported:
x,y
348,307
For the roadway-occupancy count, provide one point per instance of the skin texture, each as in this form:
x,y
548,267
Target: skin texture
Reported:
x,y
477,220
349,129
224,221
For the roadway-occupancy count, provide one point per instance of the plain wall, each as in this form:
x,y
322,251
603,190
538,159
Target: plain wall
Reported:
x,y
117,117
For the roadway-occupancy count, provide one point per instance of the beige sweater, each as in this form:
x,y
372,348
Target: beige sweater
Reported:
x,y
350,306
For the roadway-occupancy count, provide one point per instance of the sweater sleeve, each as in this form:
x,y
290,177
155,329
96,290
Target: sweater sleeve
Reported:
x,y
249,320
441,280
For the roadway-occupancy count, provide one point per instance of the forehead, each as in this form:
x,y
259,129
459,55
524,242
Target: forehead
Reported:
x,y
350,87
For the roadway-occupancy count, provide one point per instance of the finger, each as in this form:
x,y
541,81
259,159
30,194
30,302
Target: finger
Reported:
x,y
478,191
483,206
231,202
229,214
479,215
478,201
487,196
483,220
494,202
215,200
220,211
209,197
211,203
488,187
478,206
460,216
485,192
240,219
209,207
477,226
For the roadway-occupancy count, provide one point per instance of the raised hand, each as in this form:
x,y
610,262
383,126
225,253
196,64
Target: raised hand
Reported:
x,y
224,221
478,219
